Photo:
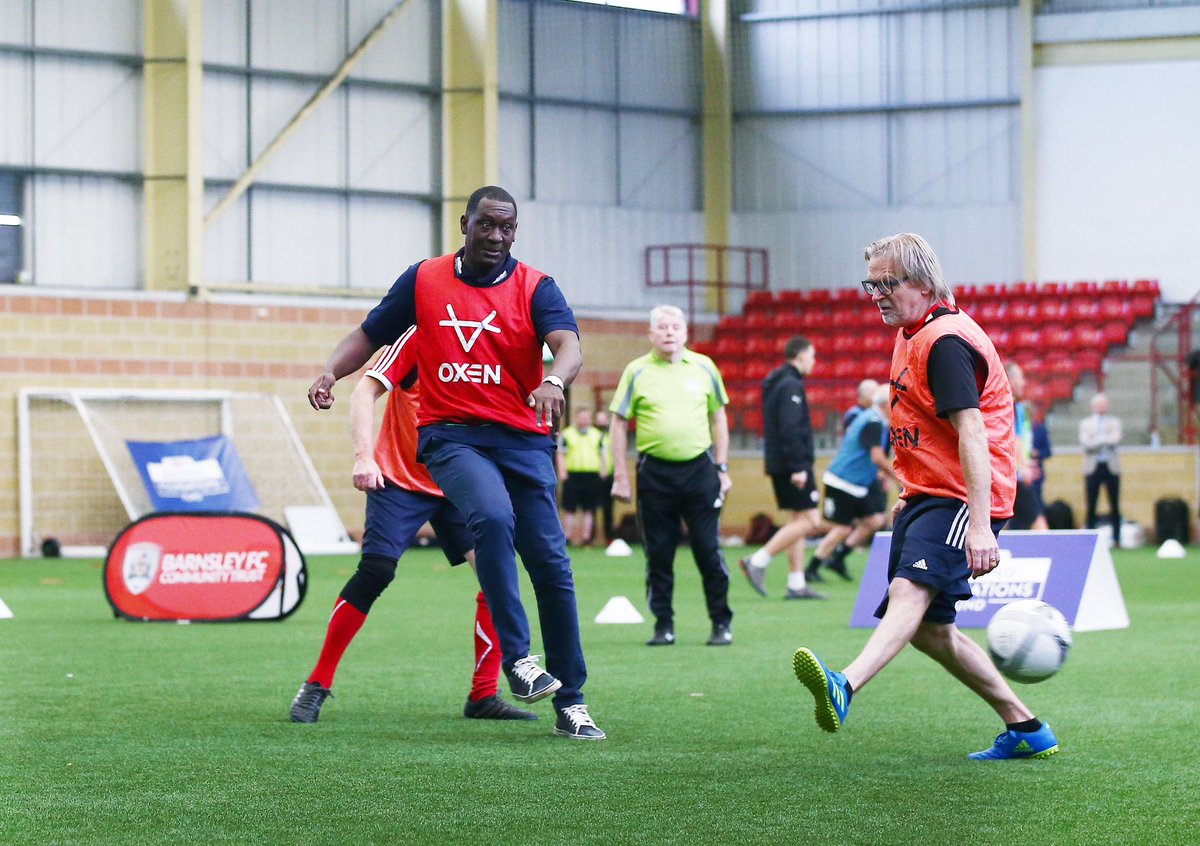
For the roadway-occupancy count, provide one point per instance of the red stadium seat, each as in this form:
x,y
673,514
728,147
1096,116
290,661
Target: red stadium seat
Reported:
x,y
1115,332
1085,286
790,298
1115,286
759,300
1025,340
1115,306
731,323
990,312
1052,311
752,420
1083,309
1022,311
1056,339
1087,337
758,320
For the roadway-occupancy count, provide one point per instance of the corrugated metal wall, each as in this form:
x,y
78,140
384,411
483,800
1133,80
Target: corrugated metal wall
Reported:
x,y
853,121
599,142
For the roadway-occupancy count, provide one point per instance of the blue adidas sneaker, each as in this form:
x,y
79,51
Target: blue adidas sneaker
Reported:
x,y
1020,744
827,688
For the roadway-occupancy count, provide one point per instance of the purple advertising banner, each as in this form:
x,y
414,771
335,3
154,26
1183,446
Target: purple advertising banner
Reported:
x,y
1071,570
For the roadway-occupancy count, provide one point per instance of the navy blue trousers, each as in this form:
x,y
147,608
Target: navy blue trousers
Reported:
x,y
508,499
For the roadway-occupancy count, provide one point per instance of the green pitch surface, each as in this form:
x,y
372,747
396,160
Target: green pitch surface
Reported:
x,y
119,732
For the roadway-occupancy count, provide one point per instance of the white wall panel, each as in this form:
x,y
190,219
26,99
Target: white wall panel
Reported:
x,y
226,243
16,21
575,53
386,237
825,249
597,254
660,162
225,31
392,141
810,64
316,153
955,55
15,106
112,26
298,35
575,155
659,61
955,158
88,115
298,239
1118,189
224,126
513,70
86,233
827,163
516,173
408,51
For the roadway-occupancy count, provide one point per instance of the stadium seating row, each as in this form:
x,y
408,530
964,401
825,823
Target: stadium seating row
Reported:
x,y
1058,332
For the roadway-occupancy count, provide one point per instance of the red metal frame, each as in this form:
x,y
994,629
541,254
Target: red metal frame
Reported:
x,y
1179,378
718,256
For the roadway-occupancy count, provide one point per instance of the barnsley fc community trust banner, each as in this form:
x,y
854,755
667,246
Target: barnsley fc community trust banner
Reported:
x,y
204,567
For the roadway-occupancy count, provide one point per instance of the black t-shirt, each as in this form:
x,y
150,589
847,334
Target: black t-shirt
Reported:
x,y
870,435
956,371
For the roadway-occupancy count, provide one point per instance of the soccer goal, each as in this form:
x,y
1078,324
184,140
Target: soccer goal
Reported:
x,y
80,483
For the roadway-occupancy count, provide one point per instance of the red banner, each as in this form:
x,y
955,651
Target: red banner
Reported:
x,y
204,567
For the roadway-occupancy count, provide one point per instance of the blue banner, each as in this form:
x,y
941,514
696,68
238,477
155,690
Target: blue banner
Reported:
x,y
202,475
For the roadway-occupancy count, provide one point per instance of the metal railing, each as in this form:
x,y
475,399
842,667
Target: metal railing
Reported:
x,y
705,268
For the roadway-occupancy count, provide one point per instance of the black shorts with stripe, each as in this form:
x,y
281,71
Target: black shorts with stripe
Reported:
x,y
927,548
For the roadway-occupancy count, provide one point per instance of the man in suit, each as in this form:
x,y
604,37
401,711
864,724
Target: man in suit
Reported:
x,y
1100,435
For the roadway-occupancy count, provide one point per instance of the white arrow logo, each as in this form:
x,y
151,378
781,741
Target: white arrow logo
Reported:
x,y
478,325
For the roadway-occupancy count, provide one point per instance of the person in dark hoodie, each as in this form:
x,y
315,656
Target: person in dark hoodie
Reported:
x,y
788,452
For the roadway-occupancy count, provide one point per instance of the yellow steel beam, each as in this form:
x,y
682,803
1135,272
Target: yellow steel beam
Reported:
x,y
470,107
264,158
173,197
1125,51
717,133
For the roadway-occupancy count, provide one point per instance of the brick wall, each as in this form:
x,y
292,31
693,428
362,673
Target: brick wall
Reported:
x,y
153,342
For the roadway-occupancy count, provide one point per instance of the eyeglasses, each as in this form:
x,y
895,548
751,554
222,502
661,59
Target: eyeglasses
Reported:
x,y
881,286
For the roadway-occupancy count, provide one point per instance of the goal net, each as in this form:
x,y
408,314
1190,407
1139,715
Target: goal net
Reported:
x,y
80,485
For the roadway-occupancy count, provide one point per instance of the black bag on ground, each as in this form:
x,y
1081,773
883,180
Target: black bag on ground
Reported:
x,y
1171,520
1059,515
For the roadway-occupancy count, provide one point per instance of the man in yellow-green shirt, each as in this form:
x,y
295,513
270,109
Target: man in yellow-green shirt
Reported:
x,y
677,399
581,466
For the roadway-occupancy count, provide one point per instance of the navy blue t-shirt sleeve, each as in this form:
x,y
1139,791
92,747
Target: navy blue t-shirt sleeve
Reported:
x,y
871,435
396,311
956,371
549,309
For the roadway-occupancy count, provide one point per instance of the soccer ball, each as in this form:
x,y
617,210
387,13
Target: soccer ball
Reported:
x,y
1028,640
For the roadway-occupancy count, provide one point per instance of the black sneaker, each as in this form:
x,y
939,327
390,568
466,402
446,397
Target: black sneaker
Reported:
x,y
838,565
722,635
306,707
804,593
575,723
495,708
664,635
812,572
529,682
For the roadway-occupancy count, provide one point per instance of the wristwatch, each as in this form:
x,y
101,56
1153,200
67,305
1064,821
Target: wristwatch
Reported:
x,y
555,381
722,467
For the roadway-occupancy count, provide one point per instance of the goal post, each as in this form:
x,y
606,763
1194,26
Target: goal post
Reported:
x,y
79,483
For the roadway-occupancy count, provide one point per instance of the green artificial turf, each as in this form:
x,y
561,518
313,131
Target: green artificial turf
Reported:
x,y
121,732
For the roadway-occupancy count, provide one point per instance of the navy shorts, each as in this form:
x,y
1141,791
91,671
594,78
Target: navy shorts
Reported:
x,y
844,508
395,515
927,548
792,498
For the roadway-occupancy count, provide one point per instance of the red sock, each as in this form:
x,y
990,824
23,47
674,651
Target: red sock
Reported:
x,y
344,624
487,653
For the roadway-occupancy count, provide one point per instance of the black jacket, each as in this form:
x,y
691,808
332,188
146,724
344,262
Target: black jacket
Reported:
x,y
787,429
